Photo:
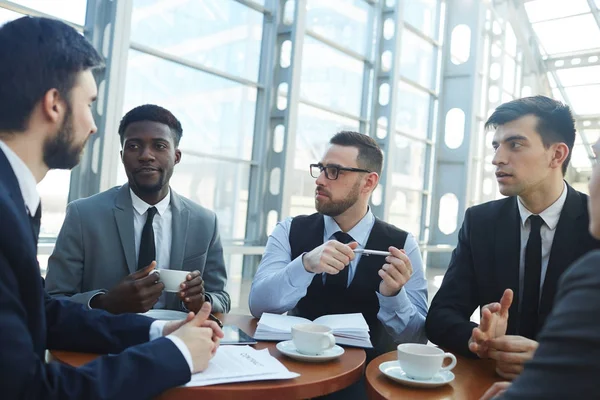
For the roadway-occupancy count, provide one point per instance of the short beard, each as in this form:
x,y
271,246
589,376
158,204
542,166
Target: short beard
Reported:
x,y
60,152
333,209
150,189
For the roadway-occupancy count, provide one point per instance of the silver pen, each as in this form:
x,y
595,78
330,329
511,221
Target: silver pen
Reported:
x,y
373,252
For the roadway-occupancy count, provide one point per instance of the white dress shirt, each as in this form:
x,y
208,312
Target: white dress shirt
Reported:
x,y
281,282
27,184
550,215
161,224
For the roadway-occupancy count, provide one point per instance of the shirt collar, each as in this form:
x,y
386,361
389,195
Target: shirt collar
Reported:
x,y
140,206
551,214
360,232
25,178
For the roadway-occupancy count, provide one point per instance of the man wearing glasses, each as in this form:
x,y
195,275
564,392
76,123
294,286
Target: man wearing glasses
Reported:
x,y
311,268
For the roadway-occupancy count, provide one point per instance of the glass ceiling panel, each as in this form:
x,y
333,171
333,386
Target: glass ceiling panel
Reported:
x,y
542,10
554,40
584,99
579,76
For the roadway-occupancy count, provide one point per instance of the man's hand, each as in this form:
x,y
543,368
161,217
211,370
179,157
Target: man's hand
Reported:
x,y
172,326
495,390
192,291
331,257
511,352
138,292
395,273
202,338
494,321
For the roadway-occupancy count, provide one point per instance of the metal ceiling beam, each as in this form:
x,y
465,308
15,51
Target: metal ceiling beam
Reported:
x,y
573,61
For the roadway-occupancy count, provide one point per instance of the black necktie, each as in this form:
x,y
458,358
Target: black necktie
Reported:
x,y
36,221
531,283
147,246
340,280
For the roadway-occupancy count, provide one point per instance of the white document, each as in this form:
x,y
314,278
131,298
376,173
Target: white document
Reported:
x,y
241,364
348,329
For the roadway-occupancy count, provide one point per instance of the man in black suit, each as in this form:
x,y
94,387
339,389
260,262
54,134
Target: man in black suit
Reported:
x,y
515,249
46,93
566,364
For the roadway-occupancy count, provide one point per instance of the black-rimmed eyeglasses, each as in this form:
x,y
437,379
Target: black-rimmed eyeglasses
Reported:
x,y
331,171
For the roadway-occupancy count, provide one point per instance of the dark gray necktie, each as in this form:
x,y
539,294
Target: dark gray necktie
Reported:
x,y
147,245
531,283
340,280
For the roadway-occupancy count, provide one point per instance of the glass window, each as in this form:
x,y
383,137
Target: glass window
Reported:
x,y
315,128
346,22
54,192
416,60
217,115
405,211
580,158
579,76
224,35
219,186
70,10
554,40
584,99
422,14
541,10
7,15
331,78
408,164
412,110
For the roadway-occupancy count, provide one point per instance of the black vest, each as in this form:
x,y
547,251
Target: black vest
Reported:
x,y
306,233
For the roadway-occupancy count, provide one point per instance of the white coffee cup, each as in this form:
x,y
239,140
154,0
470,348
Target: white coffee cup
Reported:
x,y
171,279
312,339
421,361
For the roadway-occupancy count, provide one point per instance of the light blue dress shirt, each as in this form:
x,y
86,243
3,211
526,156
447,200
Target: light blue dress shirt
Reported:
x,y
281,282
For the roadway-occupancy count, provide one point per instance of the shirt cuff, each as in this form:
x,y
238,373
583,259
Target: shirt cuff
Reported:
x,y
398,304
89,304
183,349
297,275
156,329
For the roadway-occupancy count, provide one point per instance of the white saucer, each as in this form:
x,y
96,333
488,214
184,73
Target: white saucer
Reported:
x,y
392,370
289,350
167,315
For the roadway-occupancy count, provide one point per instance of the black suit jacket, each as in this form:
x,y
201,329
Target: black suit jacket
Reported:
x,y
31,322
566,364
486,262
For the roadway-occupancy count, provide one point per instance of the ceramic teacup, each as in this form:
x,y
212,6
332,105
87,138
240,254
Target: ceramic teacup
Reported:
x,y
312,339
420,361
171,279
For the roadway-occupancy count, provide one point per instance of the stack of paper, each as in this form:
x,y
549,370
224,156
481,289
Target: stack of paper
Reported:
x,y
348,329
241,364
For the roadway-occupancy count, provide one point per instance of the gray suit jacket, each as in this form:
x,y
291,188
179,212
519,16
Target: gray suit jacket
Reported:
x,y
95,248
566,364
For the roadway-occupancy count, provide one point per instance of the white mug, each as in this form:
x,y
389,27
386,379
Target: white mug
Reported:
x,y
171,279
420,361
312,339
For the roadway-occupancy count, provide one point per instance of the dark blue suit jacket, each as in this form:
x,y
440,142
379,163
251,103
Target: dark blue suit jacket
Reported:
x,y
31,322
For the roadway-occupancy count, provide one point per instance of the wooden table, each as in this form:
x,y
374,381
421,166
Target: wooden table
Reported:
x,y
472,378
316,379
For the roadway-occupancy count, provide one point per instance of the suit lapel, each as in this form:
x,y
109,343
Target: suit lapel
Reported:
x,y
179,226
507,251
565,244
123,212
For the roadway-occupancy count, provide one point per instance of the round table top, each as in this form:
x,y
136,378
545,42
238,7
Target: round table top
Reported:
x,y
316,379
472,378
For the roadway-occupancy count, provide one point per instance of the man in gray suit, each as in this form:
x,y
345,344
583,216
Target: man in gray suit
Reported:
x,y
110,243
